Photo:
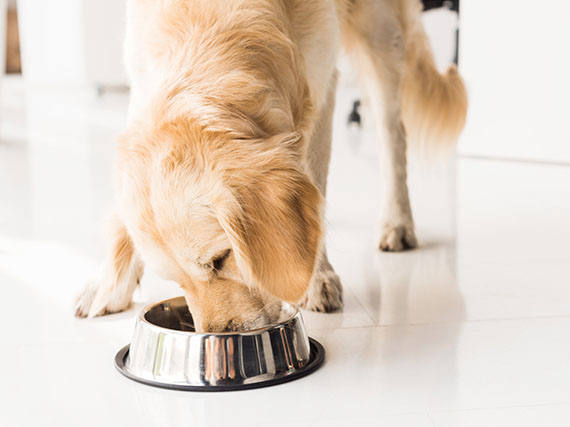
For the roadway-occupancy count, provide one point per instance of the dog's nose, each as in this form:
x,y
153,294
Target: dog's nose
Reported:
x,y
236,325
231,326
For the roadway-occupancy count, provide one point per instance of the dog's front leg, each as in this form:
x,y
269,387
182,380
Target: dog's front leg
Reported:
x,y
112,289
325,291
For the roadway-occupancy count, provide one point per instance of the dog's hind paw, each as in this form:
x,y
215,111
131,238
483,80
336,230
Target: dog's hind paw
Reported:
x,y
324,293
398,238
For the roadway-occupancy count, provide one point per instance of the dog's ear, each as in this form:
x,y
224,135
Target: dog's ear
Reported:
x,y
276,235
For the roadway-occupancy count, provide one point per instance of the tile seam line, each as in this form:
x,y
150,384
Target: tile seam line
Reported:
x,y
513,160
488,408
561,316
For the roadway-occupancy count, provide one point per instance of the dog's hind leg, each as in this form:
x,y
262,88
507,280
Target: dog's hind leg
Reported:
x,y
373,36
112,290
325,291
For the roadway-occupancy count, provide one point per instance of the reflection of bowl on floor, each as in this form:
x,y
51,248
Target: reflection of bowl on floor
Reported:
x,y
167,352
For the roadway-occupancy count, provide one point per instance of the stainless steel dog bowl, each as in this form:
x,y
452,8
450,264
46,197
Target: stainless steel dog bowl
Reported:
x,y
167,352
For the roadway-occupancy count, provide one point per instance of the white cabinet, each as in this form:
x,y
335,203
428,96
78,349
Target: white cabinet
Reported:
x,y
72,43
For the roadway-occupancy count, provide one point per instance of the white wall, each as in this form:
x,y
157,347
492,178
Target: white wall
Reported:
x,y
51,42
515,58
104,31
441,27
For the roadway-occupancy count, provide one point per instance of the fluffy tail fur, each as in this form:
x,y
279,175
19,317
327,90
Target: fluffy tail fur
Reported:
x,y
434,105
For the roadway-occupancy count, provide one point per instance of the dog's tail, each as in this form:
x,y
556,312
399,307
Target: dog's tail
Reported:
x,y
434,105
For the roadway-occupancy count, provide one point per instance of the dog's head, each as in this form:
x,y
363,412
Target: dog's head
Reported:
x,y
235,223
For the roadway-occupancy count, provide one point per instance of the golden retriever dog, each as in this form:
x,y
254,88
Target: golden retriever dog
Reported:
x,y
222,171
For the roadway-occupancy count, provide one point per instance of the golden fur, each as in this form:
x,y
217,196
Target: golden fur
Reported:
x,y
434,105
220,181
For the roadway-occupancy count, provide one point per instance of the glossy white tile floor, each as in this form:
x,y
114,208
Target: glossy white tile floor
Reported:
x,y
471,329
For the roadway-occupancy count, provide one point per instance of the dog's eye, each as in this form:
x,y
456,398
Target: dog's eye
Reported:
x,y
220,260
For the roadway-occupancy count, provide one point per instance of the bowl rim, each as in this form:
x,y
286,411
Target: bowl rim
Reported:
x,y
141,319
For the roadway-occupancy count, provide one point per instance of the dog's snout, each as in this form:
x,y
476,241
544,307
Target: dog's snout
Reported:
x,y
229,306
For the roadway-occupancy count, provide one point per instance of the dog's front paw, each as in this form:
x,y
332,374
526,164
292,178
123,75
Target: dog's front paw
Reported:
x,y
84,300
99,298
396,238
324,293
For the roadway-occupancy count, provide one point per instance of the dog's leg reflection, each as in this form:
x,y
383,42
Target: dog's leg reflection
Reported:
x,y
112,290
